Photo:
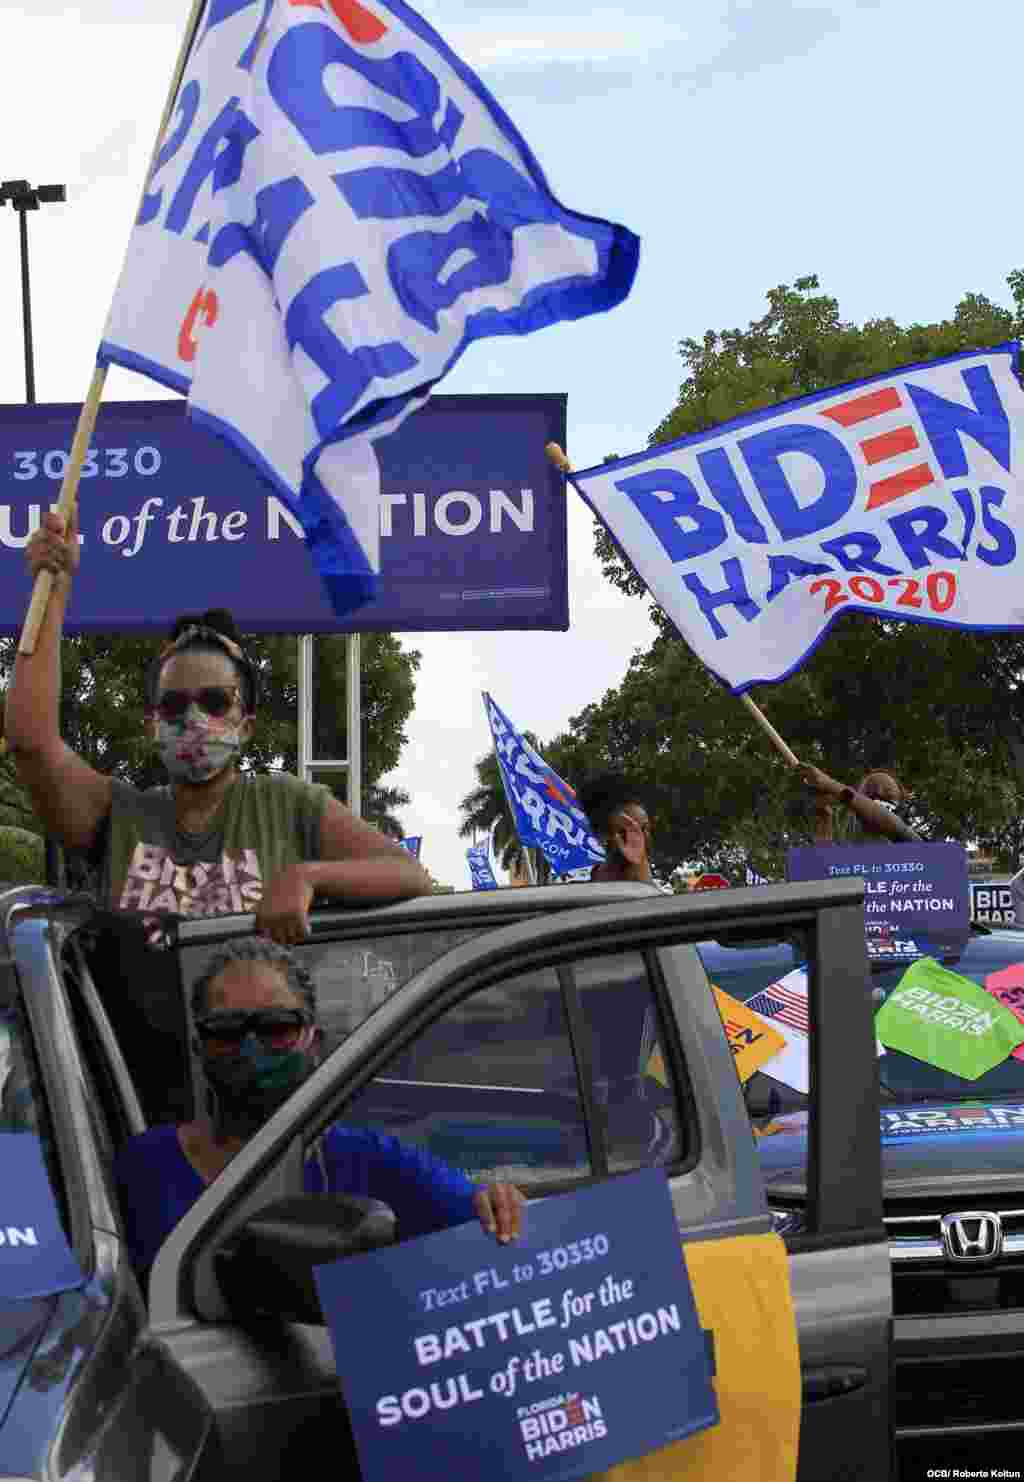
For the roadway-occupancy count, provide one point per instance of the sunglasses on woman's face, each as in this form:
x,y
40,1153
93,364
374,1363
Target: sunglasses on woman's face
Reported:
x,y
214,700
276,1029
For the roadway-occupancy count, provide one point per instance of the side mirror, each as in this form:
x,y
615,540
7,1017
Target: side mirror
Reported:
x,y
267,1266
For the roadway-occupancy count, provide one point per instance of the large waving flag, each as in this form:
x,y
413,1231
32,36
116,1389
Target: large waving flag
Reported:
x,y
337,209
901,496
544,807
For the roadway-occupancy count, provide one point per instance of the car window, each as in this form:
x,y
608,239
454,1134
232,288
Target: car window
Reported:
x,y
355,977
778,1108
352,977
640,1113
491,1087
23,1106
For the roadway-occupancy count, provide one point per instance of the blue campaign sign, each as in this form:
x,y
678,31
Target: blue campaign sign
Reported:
x,y
480,868
574,1349
414,843
993,903
35,1258
473,522
916,896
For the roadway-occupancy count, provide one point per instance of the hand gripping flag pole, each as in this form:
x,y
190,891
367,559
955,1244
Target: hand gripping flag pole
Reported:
x,y
561,462
91,406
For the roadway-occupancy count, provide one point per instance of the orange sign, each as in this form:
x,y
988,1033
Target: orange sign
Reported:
x,y
753,1040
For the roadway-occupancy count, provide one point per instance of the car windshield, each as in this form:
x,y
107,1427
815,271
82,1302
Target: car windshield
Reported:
x,y
904,1078
23,1107
749,973
21,1103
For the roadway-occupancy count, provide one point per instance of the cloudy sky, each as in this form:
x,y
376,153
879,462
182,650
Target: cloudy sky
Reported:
x,y
873,142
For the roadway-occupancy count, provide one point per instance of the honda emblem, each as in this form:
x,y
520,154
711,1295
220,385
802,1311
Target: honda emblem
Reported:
x,y
973,1235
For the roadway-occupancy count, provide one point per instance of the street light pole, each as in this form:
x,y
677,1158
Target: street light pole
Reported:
x,y
26,309
25,198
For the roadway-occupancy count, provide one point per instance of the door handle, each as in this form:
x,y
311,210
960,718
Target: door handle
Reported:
x,y
829,1383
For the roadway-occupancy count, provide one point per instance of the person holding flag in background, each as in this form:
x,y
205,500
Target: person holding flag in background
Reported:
x,y
901,497
872,806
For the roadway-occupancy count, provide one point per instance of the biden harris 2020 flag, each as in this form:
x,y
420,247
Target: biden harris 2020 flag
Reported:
x,y
338,207
547,816
478,859
900,496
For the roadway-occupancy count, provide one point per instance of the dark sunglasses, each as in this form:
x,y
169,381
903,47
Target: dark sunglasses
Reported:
x,y
214,700
276,1029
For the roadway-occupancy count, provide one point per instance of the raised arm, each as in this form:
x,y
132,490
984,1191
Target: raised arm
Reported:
x,y
875,818
70,797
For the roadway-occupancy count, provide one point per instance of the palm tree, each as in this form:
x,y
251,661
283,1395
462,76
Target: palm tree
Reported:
x,y
378,803
485,811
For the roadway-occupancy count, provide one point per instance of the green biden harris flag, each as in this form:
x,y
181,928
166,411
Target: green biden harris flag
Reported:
x,y
946,1020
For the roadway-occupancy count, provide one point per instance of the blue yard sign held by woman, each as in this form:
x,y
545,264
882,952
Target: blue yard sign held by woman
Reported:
x,y
35,1258
558,1356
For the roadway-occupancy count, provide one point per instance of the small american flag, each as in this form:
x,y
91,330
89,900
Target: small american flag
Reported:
x,y
783,1004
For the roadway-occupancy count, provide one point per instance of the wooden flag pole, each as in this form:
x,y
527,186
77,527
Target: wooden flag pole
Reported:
x,y
561,462
91,406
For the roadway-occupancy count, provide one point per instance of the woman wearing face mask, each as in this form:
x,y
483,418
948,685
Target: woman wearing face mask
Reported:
x,y
215,840
254,1010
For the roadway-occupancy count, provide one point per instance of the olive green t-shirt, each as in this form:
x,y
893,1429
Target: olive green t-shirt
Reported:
x,y
265,824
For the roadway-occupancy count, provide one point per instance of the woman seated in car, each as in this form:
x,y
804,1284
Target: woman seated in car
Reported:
x,y
255,1015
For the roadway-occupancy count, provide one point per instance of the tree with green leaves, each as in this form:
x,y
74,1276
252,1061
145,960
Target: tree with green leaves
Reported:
x,y
942,709
21,844
379,804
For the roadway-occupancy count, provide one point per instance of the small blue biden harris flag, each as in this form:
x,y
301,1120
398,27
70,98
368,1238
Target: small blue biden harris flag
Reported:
x,y
543,805
480,868
338,209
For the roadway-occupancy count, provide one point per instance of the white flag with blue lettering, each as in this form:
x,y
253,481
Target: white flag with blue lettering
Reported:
x,y
901,496
337,210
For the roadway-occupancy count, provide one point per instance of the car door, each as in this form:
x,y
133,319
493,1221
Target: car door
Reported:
x,y
96,1399
560,1052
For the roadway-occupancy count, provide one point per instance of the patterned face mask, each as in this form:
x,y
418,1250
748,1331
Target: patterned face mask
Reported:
x,y
250,1086
196,748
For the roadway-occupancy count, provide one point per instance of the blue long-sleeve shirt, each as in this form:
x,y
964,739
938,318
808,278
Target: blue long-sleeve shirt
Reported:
x,y
158,1185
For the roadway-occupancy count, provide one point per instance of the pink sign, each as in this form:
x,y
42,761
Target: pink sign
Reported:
x,y
1008,987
